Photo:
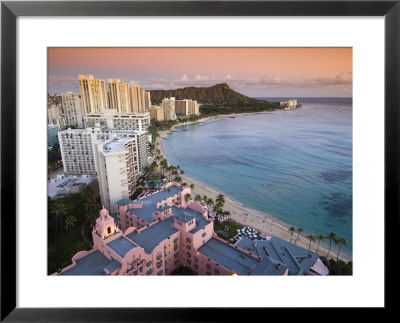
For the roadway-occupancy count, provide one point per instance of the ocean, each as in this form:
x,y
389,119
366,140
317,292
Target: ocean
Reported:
x,y
295,165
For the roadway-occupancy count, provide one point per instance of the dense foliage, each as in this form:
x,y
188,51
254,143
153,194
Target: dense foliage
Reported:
x,y
54,157
70,221
339,267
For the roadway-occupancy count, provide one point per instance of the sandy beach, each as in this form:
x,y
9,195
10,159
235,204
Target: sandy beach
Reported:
x,y
260,221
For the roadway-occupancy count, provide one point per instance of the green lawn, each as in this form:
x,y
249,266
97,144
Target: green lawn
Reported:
x,y
229,227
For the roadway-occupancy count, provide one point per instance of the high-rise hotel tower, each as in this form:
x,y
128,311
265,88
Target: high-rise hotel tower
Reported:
x,y
93,94
119,96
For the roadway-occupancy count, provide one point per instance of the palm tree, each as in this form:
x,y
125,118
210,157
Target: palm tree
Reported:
x,y
311,238
341,242
198,198
291,230
299,230
187,197
331,236
70,222
205,198
220,200
320,237
59,209
191,186
210,202
227,213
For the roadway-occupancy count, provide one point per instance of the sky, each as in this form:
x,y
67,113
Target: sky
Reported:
x,y
255,72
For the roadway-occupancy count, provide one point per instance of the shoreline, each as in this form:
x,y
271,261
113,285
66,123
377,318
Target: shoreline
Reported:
x,y
244,215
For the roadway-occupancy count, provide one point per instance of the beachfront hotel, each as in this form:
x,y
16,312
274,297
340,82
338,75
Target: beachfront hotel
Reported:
x,y
173,108
186,107
168,106
118,163
78,147
160,232
156,113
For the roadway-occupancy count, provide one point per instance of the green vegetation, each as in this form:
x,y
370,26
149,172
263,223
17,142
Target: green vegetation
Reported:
x,y
216,108
70,221
229,227
54,159
339,267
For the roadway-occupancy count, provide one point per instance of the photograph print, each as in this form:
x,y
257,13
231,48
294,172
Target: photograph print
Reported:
x,y
200,161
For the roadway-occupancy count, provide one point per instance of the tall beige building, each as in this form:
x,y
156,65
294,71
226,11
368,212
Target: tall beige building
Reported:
x,y
156,113
136,94
186,107
93,94
168,106
119,96
147,100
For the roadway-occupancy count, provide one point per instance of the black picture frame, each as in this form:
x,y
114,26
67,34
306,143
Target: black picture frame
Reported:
x,y
10,10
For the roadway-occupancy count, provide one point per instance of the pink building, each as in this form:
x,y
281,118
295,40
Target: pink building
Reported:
x,y
161,232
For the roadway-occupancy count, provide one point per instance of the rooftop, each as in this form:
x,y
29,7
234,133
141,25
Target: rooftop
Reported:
x,y
116,145
150,202
121,246
228,257
60,185
112,266
153,235
183,214
298,259
92,264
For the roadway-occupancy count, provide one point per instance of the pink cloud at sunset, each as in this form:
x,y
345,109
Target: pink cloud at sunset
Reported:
x,y
252,71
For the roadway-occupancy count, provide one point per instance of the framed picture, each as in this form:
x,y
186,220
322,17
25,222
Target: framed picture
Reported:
x,y
371,28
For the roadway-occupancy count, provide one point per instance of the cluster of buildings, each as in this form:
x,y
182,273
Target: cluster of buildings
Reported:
x,y
171,108
290,104
160,232
109,138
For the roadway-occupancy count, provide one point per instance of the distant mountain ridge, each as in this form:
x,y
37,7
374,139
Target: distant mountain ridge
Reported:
x,y
218,93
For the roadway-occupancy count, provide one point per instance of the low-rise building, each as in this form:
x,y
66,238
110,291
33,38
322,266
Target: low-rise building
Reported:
x,y
160,232
63,185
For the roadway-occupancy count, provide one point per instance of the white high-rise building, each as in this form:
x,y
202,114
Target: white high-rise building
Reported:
x,y
73,112
118,164
119,96
93,94
77,147
119,121
168,106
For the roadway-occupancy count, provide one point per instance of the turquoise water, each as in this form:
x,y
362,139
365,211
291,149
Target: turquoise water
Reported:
x,y
295,165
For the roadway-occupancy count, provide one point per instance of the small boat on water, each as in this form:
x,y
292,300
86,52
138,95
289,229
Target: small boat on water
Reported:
x,y
232,117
